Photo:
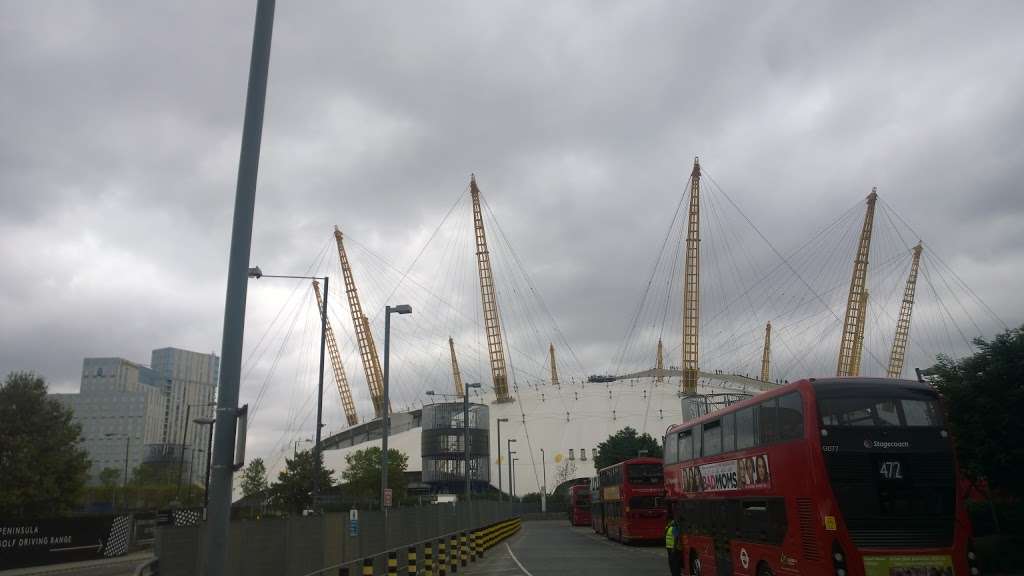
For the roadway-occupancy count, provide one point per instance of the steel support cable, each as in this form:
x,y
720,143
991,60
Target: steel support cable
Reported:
x,y
617,365
270,373
503,238
935,254
927,277
315,264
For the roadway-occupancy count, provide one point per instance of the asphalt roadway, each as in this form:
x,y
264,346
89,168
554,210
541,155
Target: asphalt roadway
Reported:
x,y
552,547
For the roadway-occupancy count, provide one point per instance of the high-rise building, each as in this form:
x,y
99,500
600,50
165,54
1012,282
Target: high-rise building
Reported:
x,y
120,407
148,410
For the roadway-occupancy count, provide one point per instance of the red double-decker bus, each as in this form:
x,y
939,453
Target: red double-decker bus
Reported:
x,y
849,477
632,500
579,505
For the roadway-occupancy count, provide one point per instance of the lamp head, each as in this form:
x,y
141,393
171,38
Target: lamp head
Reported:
x,y
401,309
255,272
204,421
502,419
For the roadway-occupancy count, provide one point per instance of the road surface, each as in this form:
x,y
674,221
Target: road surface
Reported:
x,y
552,547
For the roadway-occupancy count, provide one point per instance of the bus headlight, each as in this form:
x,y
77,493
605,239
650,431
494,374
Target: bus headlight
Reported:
x,y
838,560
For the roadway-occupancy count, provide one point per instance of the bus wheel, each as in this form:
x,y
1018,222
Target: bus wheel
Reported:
x,y
694,563
764,570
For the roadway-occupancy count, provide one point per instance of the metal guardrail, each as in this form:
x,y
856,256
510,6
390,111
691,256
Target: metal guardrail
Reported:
x,y
464,546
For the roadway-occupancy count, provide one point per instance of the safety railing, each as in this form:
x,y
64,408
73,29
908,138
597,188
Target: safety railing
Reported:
x,y
441,556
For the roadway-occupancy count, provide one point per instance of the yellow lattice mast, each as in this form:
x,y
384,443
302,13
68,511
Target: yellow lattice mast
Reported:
x,y
339,370
659,365
456,376
766,356
858,338
489,299
849,348
367,349
691,286
554,367
899,343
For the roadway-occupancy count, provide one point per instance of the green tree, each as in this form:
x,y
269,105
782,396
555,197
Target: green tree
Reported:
x,y
293,490
43,470
109,477
254,478
362,473
984,396
623,445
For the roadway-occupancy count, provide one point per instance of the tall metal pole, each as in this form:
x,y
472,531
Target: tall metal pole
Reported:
x,y
544,485
500,495
320,400
385,416
127,444
181,457
234,307
206,484
465,438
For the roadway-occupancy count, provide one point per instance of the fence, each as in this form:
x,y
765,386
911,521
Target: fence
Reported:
x,y
298,546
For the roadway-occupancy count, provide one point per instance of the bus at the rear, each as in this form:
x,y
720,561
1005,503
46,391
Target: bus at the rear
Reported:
x,y
846,477
632,500
579,505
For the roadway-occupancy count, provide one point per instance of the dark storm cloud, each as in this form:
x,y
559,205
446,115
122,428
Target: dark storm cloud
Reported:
x,y
121,125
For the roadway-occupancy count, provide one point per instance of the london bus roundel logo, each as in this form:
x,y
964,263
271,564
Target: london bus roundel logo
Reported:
x,y
744,558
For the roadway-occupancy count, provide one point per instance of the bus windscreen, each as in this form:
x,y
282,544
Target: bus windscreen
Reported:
x,y
640,474
879,411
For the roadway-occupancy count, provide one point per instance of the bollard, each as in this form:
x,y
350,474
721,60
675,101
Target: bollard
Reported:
x,y
442,557
367,566
479,542
428,559
392,563
471,546
453,556
411,569
463,549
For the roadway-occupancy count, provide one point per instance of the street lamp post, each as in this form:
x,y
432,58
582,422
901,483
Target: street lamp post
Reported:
x,y
544,485
256,273
510,490
184,439
513,480
295,446
209,444
465,432
127,443
385,402
501,496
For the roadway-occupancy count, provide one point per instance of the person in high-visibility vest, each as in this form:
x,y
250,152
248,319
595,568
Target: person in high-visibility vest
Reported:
x,y
675,561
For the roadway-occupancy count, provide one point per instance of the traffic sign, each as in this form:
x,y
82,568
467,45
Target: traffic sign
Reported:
x,y
387,497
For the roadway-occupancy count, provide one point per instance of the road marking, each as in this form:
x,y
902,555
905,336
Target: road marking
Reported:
x,y
516,560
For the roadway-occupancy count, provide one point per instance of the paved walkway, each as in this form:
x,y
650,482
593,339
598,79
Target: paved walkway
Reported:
x,y
120,566
552,547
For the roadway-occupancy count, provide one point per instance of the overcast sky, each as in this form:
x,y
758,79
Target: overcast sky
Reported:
x,y
121,125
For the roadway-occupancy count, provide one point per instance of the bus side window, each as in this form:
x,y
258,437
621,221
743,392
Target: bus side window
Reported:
x,y
729,432
696,442
712,438
768,420
791,417
685,450
745,437
670,449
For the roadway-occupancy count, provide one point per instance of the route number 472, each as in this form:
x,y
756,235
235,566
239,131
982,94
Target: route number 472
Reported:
x,y
891,471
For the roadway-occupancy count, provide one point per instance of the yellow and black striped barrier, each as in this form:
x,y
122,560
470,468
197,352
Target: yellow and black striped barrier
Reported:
x,y
453,551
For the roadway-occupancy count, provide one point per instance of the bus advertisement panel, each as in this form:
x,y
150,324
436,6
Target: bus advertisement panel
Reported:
x,y
632,500
821,476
